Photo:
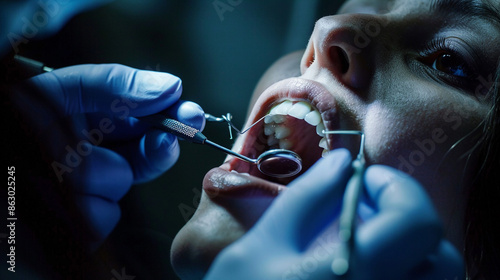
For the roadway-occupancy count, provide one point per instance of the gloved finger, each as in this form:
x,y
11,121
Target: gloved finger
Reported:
x,y
189,113
95,171
105,128
406,222
122,90
90,169
110,128
447,263
310,202
151,155
101,215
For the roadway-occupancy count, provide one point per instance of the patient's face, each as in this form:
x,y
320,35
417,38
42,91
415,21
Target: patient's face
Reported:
x,y
412,75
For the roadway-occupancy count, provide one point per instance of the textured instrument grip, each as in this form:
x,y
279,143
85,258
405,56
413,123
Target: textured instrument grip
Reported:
x,y
184,131
179,129
176,128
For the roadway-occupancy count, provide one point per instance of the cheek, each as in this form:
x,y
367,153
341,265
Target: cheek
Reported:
x,y
415,137
388,133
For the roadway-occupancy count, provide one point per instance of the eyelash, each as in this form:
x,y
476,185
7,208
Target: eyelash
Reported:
x,y
436,49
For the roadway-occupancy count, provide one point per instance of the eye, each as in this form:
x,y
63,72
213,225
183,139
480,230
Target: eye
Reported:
x,y
452,64
452,58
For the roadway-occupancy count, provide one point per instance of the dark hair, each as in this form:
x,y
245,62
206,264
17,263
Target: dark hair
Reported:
x,y
482,232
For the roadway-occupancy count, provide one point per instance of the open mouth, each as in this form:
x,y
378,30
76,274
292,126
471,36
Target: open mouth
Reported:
x,y
296,112
291,124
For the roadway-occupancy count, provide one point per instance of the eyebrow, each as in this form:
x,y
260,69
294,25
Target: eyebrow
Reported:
x,y
467,8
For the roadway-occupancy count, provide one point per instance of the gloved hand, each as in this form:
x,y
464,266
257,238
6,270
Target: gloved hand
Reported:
x,y
84,117
401,239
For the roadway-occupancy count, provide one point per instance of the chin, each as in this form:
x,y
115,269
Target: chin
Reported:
x,y
215,225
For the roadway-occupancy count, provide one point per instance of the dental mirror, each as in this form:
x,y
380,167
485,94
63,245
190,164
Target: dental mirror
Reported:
x,y
279,163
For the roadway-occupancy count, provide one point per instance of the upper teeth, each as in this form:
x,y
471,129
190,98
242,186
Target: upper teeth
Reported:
x,y
301,110
313,118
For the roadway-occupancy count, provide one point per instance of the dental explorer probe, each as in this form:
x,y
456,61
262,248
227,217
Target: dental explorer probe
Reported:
x,y
347,221
278,163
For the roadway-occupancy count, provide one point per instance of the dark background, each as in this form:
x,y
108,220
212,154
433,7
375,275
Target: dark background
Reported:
x,y
219,57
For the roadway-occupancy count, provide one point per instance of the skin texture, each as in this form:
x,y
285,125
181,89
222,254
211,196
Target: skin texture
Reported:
x,y
381,63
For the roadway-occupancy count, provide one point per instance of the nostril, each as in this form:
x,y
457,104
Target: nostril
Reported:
x,y
307,59
310,59
342,58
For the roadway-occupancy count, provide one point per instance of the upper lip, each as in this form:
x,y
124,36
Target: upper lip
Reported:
x,y
292,89
300,89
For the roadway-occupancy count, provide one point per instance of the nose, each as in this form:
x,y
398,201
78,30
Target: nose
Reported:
x,y
345,45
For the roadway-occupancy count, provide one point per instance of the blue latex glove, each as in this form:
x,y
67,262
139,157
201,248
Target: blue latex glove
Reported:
x,y
402,239
84,117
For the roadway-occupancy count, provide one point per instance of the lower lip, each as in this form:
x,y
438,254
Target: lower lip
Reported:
x,y
220,183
